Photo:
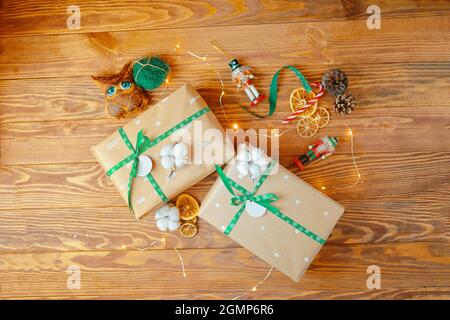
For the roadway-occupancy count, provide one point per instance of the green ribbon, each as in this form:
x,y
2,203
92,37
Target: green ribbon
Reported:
x,y
264,200
143,143
274,86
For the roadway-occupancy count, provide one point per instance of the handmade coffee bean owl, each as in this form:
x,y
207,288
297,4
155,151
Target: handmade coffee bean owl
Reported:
x,y
123,97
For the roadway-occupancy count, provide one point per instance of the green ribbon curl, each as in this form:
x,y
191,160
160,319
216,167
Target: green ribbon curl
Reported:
x,y
264,200
143,143
274,86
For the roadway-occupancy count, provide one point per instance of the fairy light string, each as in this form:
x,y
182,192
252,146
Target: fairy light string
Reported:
x,y
274,133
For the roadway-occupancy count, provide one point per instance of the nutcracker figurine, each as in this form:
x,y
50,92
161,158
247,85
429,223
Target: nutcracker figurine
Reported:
x,y
243,77
321,149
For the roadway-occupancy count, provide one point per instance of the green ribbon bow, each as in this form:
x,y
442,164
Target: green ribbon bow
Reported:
x,y
264,200
143,143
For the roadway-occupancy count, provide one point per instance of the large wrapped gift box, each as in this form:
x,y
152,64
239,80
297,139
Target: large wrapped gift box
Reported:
x,y
184,117
297,220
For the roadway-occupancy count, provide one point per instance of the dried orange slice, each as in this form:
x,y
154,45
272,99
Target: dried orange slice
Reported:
x,y
299,98
322,116
307,127
188,229
188,206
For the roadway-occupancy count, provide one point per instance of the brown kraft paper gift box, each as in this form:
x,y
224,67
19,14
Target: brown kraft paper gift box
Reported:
x,y
269,237
204,137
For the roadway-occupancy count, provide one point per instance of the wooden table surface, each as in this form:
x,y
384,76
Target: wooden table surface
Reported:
x,y
57,208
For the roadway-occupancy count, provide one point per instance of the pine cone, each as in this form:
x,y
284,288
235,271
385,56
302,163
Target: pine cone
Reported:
x,y
335,82
344,104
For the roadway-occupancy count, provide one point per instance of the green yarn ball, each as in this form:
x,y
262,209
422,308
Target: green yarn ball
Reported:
x,y
150,72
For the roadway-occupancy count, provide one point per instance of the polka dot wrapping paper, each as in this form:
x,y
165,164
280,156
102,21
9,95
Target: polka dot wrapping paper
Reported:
x,y
289,235
179,117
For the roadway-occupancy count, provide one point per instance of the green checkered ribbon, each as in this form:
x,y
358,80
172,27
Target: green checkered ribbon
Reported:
x,y
264,200
143,143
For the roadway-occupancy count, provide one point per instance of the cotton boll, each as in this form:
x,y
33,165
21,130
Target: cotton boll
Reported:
x,y
159,215
243,168
174,214
243,147
180,150
162,212
256,154
264,161
180,162
167,162
255,171
167,150
162,224
173,225
243,153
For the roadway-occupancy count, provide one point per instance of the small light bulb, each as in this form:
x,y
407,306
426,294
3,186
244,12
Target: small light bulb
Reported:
x,y
359,175
235,126
254,289
167,80
323,188
177,45
350,133
204,58
124,246
163,239
223,92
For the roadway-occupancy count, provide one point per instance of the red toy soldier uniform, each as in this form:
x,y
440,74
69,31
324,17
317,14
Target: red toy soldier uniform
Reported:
x,y
321,149
243,77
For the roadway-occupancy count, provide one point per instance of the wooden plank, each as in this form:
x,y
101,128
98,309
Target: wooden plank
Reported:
x,y
229,271
86,185
332,43
375,130
66,208
49,17
370,83
428,293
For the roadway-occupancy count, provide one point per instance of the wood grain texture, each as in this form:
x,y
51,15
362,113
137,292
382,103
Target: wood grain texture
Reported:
x,y
58,209
412,40
75,208
371,83
376,130
428,293
157,272
49,17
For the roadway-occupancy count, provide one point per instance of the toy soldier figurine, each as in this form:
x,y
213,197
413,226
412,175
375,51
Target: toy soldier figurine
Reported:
x,y
243,77
321,149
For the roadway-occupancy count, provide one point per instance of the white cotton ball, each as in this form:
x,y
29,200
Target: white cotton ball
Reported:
x,y
255,171
262,168
243,168
167,150
264,161
159,215
256,154
167,162
242,148
180,150
174,214
180,162
162,224
162,212
244,156
173,225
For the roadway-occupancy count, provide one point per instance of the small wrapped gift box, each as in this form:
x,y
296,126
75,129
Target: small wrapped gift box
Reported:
x,y
131,155
276,215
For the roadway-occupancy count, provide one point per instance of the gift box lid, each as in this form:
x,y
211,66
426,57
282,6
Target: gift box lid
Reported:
x,y
271,237
202,133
